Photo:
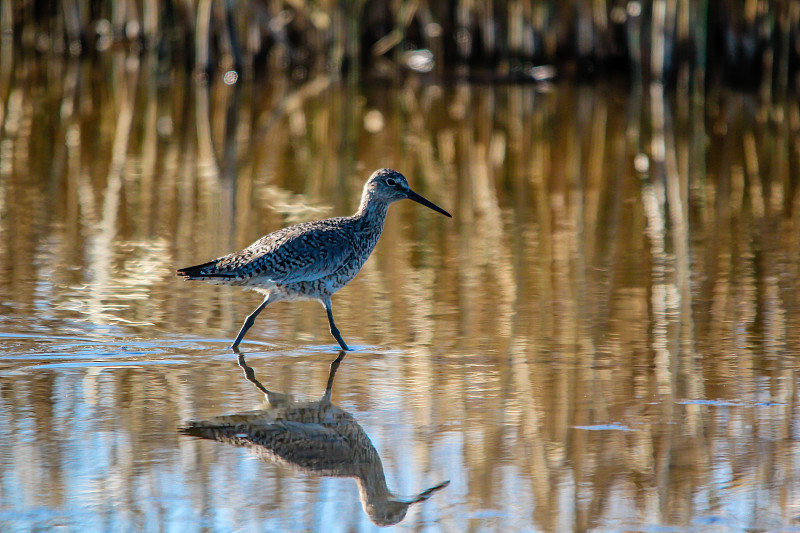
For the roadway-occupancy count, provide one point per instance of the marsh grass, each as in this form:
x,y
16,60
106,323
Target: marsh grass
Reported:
x,y
753,44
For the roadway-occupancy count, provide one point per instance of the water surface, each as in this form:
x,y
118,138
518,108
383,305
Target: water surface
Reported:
x,y
602,338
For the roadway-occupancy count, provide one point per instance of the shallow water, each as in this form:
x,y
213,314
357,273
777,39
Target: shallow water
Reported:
x,y
602,338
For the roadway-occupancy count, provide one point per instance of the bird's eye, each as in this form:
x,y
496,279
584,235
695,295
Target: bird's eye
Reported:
x,y
391,182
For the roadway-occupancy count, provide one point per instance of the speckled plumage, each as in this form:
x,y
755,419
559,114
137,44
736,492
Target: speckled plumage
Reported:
x,y
311,260
313,437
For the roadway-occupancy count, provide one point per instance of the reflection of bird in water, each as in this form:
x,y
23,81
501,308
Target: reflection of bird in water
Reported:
x,y
311,260
315,437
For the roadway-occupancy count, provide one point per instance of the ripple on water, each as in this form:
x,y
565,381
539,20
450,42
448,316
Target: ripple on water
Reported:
x,y
605,427
25,352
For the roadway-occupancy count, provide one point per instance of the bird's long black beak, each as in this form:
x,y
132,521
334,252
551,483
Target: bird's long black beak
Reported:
x,y
427,203
422,496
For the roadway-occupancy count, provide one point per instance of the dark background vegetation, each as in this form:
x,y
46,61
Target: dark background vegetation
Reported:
x,y
751,44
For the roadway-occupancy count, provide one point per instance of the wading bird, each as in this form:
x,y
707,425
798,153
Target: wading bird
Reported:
x,y
311,260
315,437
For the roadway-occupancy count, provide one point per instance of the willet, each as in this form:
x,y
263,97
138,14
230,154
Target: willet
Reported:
x,y
311,260
315,437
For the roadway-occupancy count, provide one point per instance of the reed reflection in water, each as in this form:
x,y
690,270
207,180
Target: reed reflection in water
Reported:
x,y
604,336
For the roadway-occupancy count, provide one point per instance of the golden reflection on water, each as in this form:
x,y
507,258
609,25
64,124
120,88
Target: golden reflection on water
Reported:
x,y
604,336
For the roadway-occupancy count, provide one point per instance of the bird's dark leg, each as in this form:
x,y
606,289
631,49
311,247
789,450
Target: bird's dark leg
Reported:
x,y
250,374
274,398
334,329
331,375
248,322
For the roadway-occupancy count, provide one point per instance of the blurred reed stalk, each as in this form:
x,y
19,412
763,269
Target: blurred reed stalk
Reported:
x,y
753,43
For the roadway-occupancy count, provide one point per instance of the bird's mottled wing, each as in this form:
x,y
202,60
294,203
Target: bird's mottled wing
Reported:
x,y
303,252
306,445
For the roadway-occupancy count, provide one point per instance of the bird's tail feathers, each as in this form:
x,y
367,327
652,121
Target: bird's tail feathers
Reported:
x,y
204,271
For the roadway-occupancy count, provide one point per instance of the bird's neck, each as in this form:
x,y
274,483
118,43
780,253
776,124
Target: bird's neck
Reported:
x,y
381,505
372,486
372,211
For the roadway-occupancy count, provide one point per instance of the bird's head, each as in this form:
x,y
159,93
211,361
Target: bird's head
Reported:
x,y
390,186
391,511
